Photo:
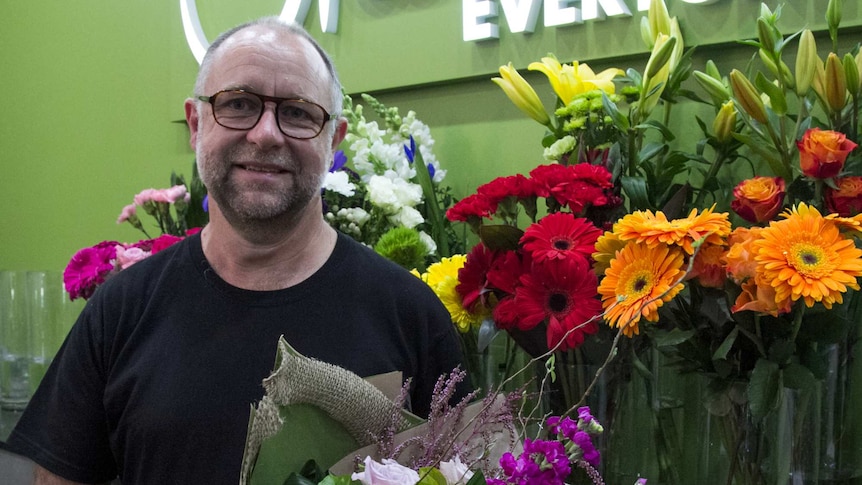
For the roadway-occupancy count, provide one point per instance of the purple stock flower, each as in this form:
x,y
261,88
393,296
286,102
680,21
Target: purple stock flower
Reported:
x,y
585,443
541,463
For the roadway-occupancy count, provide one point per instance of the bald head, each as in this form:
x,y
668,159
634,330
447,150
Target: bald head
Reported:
x,y
261,29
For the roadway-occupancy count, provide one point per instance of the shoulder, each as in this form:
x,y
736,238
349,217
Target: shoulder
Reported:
x,y
377,271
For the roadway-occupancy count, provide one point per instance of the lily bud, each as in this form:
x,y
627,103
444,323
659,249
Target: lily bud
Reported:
x,y
656,75
818,84
806,62
859,65
713,87
521,94
712,70
646,33
765,35
833,14
725,122
676,55
748,96
781,71
851,74
836,84
659,19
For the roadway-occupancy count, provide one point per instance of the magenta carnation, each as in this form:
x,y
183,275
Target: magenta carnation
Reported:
x,y
88,269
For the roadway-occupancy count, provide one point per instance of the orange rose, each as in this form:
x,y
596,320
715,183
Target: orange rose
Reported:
x,y
739,259
708,267
759,298
758,199
822,153
846,200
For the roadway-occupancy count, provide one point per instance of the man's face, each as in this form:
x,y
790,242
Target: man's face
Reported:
x,y
259,174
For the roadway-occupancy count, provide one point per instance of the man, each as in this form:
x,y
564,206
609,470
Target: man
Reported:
x,y
155,381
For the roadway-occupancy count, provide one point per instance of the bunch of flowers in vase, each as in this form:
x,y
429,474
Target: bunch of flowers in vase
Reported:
x,y
385,190
733,257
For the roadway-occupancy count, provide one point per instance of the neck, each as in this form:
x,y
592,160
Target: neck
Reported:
x,y
271,256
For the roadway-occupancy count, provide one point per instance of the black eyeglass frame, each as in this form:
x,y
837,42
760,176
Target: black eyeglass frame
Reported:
x,y
263,98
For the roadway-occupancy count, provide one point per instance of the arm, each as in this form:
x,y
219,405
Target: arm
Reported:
x,y
42,476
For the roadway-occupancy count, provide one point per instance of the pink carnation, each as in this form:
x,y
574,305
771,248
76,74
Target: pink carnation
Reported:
x,y
127,256
127,212
164,241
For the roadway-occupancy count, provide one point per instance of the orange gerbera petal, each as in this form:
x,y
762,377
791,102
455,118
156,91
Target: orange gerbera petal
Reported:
x,y
654,229
639,280
806,256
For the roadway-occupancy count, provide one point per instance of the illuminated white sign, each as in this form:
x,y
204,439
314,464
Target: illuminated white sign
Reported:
x,y
479,17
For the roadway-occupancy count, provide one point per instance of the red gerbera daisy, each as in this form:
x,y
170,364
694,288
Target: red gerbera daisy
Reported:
x,y
560,235
566,298
472,278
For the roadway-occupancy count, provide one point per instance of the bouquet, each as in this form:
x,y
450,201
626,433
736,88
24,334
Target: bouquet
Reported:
x,y
390,196
178,211
762,301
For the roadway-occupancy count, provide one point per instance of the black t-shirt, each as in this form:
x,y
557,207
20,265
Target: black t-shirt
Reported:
x,y
156,379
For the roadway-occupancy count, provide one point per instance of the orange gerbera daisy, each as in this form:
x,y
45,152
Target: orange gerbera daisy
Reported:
x,y
639,281
606,248
805,256
654,229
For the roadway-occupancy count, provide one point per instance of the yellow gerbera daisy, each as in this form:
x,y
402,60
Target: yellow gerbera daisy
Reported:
x,y
654,229
639,281
442,277
805,256
606,248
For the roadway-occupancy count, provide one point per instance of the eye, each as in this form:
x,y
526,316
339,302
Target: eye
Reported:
x,y
237,103
296,112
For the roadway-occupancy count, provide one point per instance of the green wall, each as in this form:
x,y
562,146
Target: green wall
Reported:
x,y
95,92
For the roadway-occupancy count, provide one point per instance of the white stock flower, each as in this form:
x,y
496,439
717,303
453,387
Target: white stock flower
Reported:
x,y
391,194
339,182
428,241
407,217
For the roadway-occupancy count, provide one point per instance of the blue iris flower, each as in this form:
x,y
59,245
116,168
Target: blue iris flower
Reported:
x,y
339,159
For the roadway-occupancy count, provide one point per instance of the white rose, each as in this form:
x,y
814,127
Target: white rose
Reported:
x,y
389,472
455,472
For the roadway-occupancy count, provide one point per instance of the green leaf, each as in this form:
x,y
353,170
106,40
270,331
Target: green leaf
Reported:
x,y
431,476
478,478
797,376
673,337
500,236
776,96
666,133
781,351
620,120
635,189
764,388
297,479
722,350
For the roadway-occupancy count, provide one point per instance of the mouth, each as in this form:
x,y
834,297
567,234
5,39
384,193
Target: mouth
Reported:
x,y
261,168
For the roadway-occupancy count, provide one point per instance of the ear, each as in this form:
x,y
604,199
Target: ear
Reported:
x,y
340,132
192,121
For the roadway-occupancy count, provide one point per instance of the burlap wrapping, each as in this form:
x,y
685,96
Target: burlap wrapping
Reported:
x,y
361,408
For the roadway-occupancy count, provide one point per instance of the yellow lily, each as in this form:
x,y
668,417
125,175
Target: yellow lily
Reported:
x,y
570,80
522,94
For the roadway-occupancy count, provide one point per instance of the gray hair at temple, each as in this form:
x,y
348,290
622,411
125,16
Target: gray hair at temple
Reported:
x,y
276,24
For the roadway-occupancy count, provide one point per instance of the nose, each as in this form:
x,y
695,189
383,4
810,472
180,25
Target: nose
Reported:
x,y
266,133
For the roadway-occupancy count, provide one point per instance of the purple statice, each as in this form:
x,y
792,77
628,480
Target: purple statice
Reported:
x,y
541,463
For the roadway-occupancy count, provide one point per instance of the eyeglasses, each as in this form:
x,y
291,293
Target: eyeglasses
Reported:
x,y
241,110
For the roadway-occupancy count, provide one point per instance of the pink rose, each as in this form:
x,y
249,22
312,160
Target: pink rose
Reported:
x,y
390,472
